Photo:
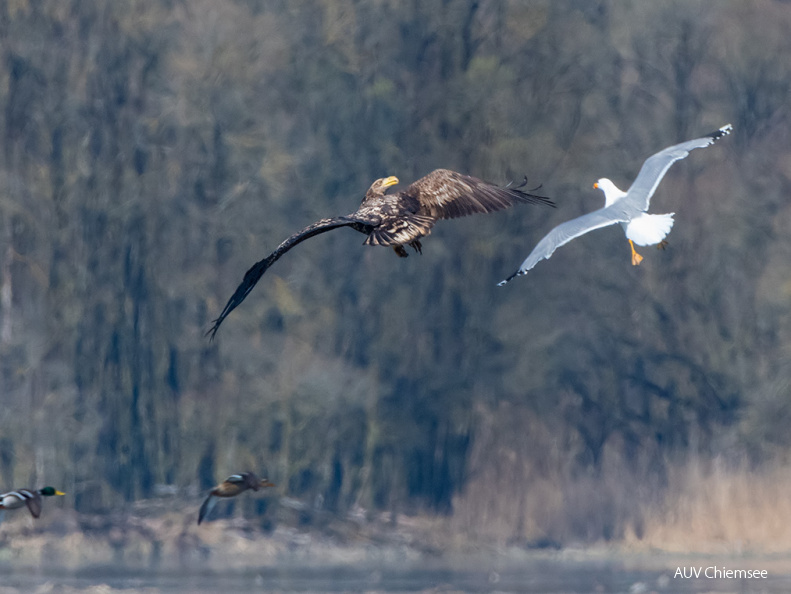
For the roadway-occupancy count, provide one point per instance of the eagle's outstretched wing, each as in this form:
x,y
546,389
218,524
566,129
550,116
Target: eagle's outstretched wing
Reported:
x,y
445,194
257,270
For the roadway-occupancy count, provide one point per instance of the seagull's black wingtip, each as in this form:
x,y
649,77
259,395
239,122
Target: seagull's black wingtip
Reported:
x,y
510,278
724,131
519,272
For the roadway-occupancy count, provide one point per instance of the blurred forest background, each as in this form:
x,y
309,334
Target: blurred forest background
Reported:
x,y
152,150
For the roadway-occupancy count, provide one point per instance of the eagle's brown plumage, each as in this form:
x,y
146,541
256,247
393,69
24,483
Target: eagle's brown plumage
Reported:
x,y
231,487
398,219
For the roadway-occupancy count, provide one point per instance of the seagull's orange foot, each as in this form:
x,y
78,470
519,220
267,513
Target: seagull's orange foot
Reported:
x,y
636,258
662,244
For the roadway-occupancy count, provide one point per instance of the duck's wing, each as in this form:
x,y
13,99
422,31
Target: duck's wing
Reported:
x,y
33,502
655,167
254,274
445,194
567,231
206,507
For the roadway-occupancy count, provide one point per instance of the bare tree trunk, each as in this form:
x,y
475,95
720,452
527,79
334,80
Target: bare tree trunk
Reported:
x,y
6,288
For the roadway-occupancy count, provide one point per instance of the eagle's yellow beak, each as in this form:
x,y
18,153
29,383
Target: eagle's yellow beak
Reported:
x,y
390,181
596,186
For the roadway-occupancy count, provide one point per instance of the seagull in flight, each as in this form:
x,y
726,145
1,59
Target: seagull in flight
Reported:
x,y
629,208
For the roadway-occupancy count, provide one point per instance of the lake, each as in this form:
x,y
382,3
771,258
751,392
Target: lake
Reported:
x,y
531,576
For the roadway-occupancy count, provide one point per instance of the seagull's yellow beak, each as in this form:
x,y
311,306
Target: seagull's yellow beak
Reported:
x,y
390,181
596,186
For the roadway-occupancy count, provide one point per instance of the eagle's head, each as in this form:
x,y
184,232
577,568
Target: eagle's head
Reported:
x,y
379,187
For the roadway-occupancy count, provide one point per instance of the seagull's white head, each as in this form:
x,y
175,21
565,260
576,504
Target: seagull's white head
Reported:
x,y
611,193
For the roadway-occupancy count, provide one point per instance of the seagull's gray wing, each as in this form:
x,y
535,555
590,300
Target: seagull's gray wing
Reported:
x,y
565,232
655,167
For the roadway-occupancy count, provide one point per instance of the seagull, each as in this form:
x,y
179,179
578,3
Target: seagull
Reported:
x,y
629,208
398,219
231,487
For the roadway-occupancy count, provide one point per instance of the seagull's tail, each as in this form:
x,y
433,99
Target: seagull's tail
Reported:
x,y
649,229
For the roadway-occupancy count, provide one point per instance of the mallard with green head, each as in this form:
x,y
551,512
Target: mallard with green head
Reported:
x,y
29,497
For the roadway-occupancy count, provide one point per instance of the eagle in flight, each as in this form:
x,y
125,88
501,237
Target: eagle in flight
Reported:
x,y
398,219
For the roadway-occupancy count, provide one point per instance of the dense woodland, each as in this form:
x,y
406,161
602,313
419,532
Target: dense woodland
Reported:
x,y
152,150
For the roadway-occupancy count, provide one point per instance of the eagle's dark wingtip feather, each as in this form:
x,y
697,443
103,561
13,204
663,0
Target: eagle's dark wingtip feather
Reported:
x,y
251,277
524,183
534,198
527,195
238,296
212,332
241,292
